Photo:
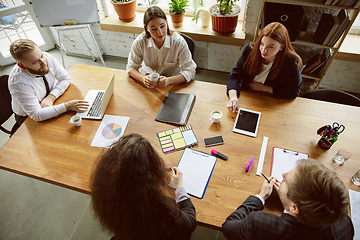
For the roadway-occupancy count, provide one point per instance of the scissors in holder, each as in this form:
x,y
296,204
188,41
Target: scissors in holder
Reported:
x,y
340,128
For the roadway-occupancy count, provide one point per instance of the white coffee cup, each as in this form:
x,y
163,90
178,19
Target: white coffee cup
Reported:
x,y
215,116
76,120
154,76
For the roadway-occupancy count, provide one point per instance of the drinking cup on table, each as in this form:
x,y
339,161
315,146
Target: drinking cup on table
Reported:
x,y
215,116
341,156
356,178
76,120
154,76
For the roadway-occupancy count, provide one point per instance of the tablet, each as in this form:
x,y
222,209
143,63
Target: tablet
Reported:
x,y
247,123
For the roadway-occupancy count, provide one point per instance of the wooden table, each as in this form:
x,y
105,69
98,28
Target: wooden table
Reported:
x,y
59,153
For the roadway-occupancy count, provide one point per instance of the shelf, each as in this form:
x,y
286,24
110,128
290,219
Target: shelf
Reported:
x,y
309,3
190,28
308,40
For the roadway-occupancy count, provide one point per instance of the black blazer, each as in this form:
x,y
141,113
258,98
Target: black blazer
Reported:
x,y
287,83
249,222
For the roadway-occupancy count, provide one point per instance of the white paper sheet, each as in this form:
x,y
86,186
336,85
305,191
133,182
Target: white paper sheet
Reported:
x,y
355,211
284,161
197,168
110,130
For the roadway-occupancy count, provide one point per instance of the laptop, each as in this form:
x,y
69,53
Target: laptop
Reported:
x,y
98,101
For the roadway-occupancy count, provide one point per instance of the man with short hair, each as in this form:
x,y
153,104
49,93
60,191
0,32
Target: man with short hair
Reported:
x,y
32,84
315,203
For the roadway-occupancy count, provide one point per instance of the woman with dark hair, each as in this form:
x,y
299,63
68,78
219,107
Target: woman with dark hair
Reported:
x,y
159,50
270,64
130,194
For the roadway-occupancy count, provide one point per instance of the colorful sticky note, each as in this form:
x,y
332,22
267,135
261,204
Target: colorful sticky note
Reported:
x,y
164,138
179,143
176,136
162,134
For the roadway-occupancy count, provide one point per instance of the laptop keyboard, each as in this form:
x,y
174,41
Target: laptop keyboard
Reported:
x,y
95,109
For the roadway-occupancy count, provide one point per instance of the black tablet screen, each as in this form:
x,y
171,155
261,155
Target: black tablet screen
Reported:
x,y
247,121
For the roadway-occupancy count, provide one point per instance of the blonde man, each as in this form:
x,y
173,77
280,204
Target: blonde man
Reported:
x,y
36,81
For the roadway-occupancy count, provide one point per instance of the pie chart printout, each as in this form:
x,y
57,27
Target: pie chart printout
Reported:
x,y
111,131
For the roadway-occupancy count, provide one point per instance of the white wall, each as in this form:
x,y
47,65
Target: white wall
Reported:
x,y
219,57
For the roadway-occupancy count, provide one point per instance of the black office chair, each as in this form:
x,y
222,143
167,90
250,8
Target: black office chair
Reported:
x,y
335,96
5,101
190,43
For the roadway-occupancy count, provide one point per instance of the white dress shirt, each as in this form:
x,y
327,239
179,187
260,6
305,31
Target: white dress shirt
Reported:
x,y
172,58
265,69
28,91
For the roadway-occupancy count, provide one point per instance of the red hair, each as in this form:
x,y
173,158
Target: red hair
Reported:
x,y
279,33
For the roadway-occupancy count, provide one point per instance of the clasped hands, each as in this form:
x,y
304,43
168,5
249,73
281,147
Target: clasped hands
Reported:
x,y
149,83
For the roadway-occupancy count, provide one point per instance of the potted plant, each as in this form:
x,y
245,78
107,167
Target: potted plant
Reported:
x,y
125,9
304,25
224,16
177,11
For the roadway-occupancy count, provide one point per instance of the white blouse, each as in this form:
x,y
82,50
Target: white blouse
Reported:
x,y
265,69
172,58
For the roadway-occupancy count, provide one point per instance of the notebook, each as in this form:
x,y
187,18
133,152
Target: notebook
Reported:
x,y
283,160
176,108
98,101
197,168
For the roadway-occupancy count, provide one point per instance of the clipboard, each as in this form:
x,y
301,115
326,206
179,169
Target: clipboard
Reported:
x,y
197,168
283,160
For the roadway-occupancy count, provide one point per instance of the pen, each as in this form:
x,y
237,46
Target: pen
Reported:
x,y
238,112
219,154
249,165
265,177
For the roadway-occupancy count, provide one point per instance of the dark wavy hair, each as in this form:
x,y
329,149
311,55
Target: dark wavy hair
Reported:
x,y
152,13
319,194
127,191
279,33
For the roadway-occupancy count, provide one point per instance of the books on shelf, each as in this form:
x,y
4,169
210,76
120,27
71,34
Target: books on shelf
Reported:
x,y
316,65
313,63
325,26
331,28
343,3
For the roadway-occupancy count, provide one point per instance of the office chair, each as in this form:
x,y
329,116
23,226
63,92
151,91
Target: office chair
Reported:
x,y
190,43
331,95
5,101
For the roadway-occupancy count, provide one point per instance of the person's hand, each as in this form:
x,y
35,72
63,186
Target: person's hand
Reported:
x,y
148,82
232,104
260,87
177,177
267,188
163,81
48,101
77,105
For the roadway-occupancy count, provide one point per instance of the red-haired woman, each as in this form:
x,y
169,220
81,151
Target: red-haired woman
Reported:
x,y
270,64
130,194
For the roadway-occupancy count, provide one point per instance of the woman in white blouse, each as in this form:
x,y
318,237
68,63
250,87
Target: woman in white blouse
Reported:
x,y
159,50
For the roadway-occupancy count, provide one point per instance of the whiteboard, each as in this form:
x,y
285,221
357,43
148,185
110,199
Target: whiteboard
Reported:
x,y
52,13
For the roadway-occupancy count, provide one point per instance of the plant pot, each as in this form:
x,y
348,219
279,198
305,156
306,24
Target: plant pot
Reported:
x,y
223,24
177,19
126,10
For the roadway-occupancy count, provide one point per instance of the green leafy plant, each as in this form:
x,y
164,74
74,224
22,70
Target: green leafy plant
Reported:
x,y
196,5
226,6
178,6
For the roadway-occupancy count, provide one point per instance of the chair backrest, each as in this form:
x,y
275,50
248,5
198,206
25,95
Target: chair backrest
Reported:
x,y
190,43
335,96
5,100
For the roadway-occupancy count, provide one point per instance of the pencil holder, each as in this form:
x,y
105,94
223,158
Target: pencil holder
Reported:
x,y
329,135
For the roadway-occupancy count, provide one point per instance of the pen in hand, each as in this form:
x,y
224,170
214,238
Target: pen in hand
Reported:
x,y
238,112
265,177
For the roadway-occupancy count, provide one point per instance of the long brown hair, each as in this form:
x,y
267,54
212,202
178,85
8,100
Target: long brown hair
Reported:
x,y
152,13
127,191
279,33
319,194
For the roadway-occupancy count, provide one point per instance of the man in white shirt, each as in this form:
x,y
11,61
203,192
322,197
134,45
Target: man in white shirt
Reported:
x,y
33,86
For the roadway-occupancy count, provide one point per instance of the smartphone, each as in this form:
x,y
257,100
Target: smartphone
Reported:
x,y
211,141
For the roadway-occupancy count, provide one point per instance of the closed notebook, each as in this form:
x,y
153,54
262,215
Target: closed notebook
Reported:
x,y
176,108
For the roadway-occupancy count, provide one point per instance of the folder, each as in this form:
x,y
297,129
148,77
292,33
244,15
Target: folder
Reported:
x,y
283,160
176,108
197,168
